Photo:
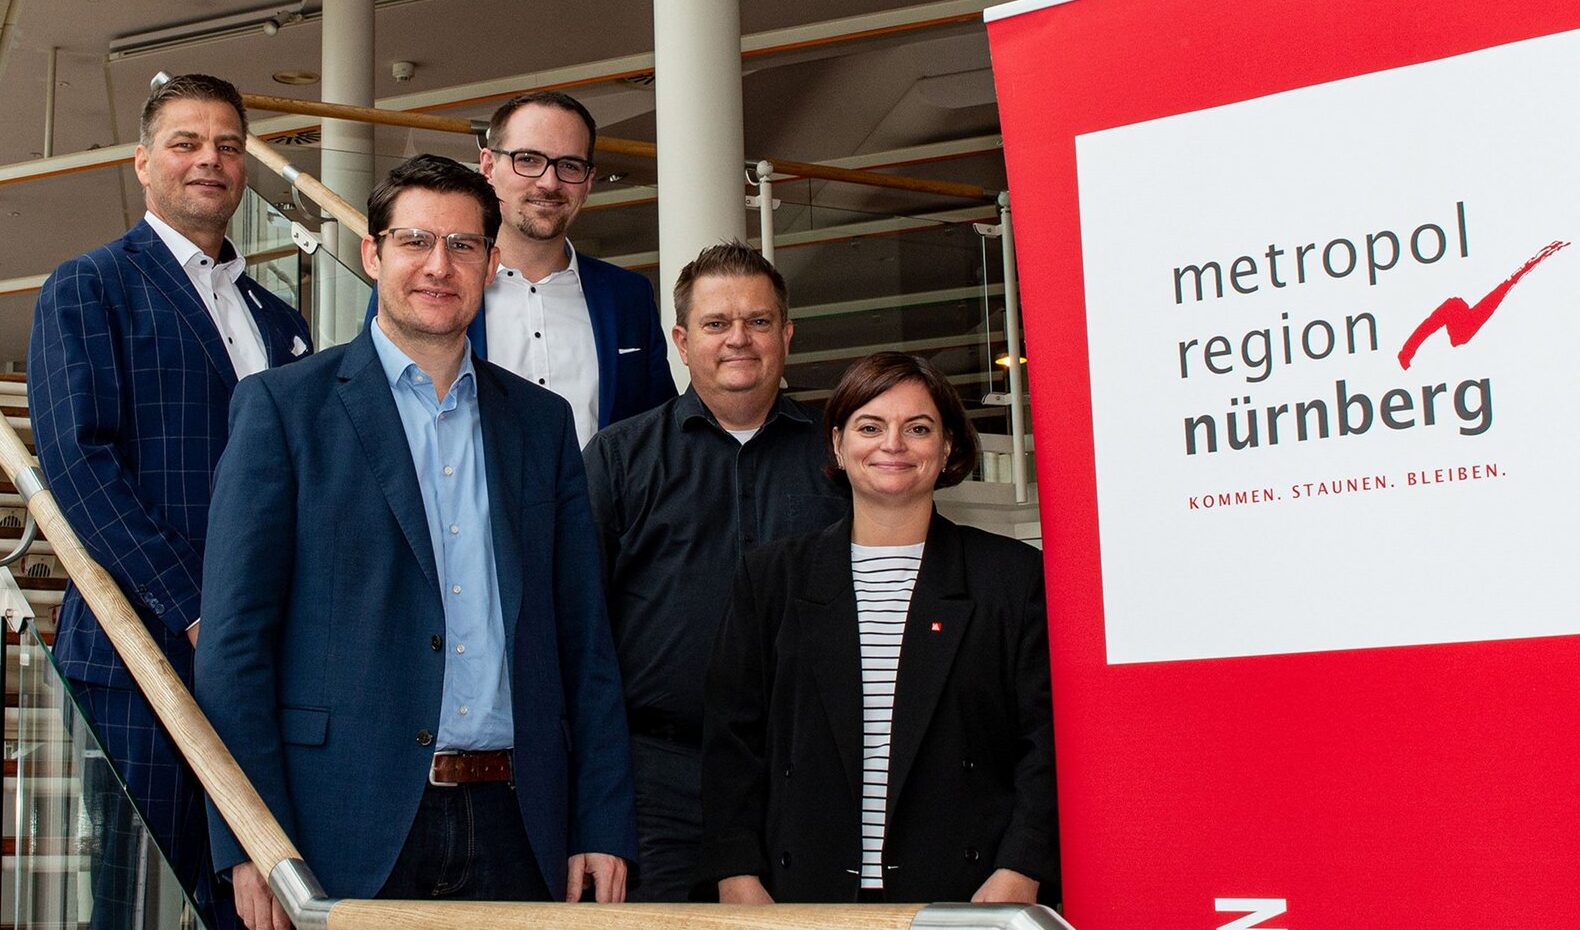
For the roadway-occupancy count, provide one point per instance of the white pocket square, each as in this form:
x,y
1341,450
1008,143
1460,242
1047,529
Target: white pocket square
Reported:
x,y
630,350
297,347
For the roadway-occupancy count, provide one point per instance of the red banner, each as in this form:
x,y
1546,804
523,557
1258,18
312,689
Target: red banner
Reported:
x,y
1300,314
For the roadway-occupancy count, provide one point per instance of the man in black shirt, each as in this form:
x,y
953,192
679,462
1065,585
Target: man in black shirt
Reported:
x,y
678,494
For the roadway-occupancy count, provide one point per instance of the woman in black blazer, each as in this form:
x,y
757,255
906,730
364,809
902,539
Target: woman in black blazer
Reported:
x,y
878,723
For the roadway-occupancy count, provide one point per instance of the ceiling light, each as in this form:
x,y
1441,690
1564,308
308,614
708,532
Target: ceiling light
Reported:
x,y
214,27
295,77
1003,360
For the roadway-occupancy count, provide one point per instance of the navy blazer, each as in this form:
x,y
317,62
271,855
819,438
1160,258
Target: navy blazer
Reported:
x,y
129,385
633,369
321,661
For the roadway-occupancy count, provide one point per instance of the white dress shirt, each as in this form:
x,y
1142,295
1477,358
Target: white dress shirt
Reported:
x,y
216,287
541,330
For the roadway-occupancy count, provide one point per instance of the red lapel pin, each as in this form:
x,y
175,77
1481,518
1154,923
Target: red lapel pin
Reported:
x,y
937,627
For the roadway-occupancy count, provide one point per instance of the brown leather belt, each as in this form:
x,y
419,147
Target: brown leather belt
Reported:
x,y
452,767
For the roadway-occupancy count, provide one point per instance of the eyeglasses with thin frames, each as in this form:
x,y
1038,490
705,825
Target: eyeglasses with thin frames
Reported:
x,y
531,164
464,248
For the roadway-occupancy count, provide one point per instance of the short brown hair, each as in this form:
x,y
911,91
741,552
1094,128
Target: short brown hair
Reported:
x,y
734,259
188,87
432,173
542,98
876,374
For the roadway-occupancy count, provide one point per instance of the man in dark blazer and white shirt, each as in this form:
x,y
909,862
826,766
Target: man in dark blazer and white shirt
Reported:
x,y
136,348
583,328
405,643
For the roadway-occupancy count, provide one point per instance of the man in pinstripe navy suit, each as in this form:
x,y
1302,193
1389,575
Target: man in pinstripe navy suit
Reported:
x,y
136,348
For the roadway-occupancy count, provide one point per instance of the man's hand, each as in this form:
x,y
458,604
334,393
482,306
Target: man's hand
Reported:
x,y
1006,886
255,905
606,872
192,633
743,889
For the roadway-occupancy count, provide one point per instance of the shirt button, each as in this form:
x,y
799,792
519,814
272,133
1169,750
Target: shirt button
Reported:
x,y
455,589
449,470
460,648
541,381
424,738
537,335
534,290
454,529
464,710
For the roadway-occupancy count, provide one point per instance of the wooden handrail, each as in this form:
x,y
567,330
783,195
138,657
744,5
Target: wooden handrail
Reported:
x,y
629,147
358,114
336,205
901,182
423,915
260,834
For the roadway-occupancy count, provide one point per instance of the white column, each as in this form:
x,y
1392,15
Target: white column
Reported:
x,y
701,148
347,166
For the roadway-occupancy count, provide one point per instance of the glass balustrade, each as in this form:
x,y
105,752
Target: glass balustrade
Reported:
x,y
77,852
330,291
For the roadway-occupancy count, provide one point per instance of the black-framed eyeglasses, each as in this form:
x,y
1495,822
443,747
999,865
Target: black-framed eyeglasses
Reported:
x,y
531,164
466,248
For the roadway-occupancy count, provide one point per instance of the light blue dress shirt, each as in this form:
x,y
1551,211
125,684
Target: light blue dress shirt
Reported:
x,y
446,440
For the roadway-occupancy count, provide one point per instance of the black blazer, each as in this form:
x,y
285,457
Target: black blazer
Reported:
x,y
971,786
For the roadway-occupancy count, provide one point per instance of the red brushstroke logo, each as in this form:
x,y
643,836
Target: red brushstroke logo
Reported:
x,y
1461,319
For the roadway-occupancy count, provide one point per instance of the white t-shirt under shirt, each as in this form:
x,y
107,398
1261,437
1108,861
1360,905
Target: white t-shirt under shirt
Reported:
x,y
541,330
884,578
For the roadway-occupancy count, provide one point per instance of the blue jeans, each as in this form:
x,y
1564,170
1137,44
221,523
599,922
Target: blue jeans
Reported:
x,y
467,844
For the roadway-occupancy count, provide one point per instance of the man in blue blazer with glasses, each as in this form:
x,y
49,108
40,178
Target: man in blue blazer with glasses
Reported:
x,y
405,641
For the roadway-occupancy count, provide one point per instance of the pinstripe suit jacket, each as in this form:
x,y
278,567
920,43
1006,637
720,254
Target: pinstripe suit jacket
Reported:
x,y
129,387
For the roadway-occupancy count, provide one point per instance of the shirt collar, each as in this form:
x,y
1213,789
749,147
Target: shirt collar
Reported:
x,y
689,408
398,365
186,252
573,269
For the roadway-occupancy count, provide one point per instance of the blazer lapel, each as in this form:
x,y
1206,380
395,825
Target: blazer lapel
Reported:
x,y
601,311
934,627
365,392
504,452
148,253
276,339
827,610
